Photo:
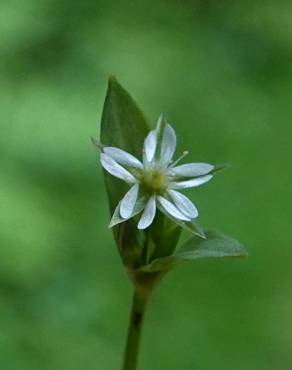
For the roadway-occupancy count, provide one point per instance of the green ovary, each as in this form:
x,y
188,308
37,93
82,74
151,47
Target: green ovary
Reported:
x,y
153,182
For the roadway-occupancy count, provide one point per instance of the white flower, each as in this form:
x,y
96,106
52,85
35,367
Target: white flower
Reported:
x,y
154,180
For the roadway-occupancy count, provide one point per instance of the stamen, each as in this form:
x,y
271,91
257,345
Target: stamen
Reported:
x,y
185,153
153,181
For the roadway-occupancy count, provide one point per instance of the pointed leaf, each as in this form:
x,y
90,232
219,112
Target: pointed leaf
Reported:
x,y
214,246
124,126
116,217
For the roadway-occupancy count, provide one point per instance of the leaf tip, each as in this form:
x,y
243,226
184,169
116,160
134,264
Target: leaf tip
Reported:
x,y
112,80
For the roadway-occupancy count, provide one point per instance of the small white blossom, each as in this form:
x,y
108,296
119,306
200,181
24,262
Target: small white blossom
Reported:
x,y
155,179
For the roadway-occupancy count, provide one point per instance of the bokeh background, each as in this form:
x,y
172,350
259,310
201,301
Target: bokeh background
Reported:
x,y
222,72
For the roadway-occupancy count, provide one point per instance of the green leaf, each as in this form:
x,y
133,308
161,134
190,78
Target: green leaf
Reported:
x,y
116,217
124,126
214,246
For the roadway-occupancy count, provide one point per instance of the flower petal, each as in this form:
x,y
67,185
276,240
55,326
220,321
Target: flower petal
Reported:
x,y
191,169
122,157
172,209
168,144
190,183
183,204
148,214
150,145
129,201
115,169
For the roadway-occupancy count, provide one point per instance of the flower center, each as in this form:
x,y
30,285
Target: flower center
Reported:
x,y
153,181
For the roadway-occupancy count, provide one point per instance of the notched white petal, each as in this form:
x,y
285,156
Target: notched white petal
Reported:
x,y
111,166
191,169
168,144
190,183
129,201
183,204
172,209
123,157
148,214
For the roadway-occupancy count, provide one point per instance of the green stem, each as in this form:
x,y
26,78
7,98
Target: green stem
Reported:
x,y
134,331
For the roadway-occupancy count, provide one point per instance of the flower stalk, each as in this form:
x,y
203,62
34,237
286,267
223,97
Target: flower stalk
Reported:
x,y
139,304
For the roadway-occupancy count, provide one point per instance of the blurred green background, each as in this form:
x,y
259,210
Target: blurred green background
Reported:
x,y
222,72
